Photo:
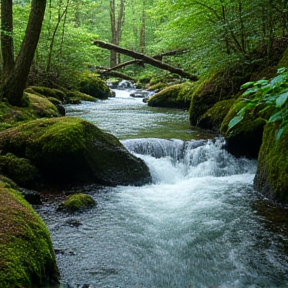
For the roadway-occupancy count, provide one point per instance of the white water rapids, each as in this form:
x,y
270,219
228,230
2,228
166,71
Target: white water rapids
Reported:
x,y
195,226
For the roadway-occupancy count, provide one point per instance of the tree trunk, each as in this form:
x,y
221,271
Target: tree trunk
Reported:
x,y
146,59
117,22
14,86
7,37
142,30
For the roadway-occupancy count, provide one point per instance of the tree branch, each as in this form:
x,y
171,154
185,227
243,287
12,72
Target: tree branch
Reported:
x,y
145,59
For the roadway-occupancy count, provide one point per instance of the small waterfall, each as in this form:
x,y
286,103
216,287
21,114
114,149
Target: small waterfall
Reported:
x,y
195,158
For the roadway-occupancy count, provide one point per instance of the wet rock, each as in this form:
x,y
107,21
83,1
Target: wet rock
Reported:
x,y
26,253
67,151
31,197
76,203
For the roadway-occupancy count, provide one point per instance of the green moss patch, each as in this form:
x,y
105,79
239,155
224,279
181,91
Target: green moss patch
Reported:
x,y
19,169
68,150
92,85
174,96
77,202
272,175
213,118
26,253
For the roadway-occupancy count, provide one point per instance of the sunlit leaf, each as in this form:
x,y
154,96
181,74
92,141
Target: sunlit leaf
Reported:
x,y
235,121
247,85
282,99
275,117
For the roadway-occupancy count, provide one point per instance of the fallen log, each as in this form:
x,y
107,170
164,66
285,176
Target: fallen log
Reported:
x,y
146,59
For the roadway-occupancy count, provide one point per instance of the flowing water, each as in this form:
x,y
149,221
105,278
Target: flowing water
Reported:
x,y
197,225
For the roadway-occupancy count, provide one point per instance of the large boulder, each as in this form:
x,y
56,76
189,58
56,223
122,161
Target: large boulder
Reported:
x,y
272,174
26,254
214,116
69,150
174,96
92,85
245,137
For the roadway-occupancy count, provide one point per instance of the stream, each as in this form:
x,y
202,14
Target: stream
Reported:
x,y
199,224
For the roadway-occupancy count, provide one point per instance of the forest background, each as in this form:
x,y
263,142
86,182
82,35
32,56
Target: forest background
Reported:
x,y
211,35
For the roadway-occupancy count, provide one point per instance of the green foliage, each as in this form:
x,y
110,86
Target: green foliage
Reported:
x,y
267,93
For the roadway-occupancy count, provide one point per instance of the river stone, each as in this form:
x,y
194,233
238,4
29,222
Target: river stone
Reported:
x,y
76,203
272,174
26,254
70,150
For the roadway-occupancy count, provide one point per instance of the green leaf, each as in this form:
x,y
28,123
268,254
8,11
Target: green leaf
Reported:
x,y
235,121
250,91
281,70
279,133
261,82
275,117
266,89
247,85
281,100
279,80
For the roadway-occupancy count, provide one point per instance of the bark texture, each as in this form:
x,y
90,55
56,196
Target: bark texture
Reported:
x,y
146,59
15,83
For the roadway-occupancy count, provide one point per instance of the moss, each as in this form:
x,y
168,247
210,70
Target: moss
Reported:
x,y
39,106
174,96
75,97
47,92
42,106
272,175
77,202
92,85
26,253
245,138
284,60
72,150
19,169
214,87
213,118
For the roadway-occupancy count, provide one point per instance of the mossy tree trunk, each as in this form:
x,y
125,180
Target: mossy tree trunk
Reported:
x,y
15,83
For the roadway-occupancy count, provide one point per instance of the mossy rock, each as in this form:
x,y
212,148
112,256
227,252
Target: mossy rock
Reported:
x,y
174,96
20,170
37,106
47,92
245,138
212,88
69,150
213,118
26,254
76,97
77,203
92,85
272,174
42,106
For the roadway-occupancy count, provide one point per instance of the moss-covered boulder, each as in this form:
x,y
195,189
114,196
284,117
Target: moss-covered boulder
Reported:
x,y
213,118
245,137
272,174
47,92
35,106
174,96
92,85
69,150
215,87
77,203
26,254
19,169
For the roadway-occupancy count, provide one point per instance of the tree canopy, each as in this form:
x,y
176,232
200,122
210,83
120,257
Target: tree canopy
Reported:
x,y
212,32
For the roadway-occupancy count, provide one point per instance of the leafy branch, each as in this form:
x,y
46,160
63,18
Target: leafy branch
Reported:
x,y
270,93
